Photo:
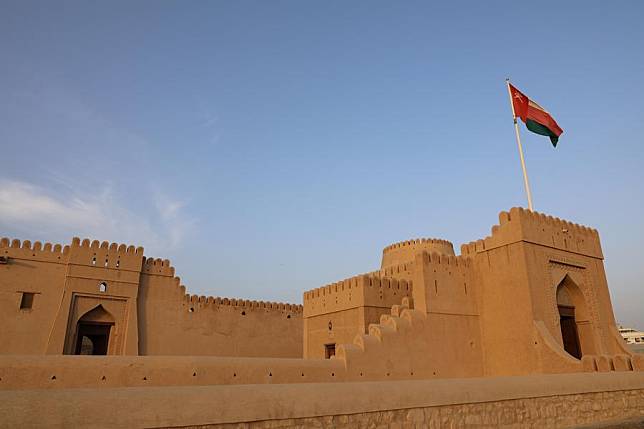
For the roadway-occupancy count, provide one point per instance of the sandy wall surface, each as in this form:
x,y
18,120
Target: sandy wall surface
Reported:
x,y
542,400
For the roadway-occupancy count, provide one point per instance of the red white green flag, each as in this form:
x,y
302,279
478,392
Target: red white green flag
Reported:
x,y
536,118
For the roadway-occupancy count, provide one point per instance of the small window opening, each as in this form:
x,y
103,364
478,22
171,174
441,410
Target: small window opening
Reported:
x,y
118,263
243,313
330,326
27,301
102,287
94,260
106,262
288,316
329,350
192,309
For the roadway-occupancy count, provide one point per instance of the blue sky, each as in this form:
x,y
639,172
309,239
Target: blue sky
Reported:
x,y
267,148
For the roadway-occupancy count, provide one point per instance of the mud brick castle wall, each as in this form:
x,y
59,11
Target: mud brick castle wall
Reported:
x,y
47,292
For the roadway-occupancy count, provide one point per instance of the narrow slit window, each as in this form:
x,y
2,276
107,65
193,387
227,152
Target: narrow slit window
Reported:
x,y
27,301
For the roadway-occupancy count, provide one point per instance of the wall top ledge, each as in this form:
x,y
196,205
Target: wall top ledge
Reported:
x,y
208,405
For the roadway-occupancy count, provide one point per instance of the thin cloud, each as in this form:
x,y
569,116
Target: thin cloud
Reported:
x,y
29,209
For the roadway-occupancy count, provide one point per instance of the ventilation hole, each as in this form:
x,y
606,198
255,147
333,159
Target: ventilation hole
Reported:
x,y
243,313
53,377
434,373
302,374
288,317
118,264
411,373
103,378
333,374
194,374
94,260
535,343
192,309
361,374
270,374
387,374
145,379
234,374
106,262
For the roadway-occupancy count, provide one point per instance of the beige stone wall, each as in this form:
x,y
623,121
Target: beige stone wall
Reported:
x,y
526,401
336,313
149,309
491,311
549,412
518,269
28,331
173,323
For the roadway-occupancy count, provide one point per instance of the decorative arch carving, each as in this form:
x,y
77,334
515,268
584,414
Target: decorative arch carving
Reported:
x,y
571,284
97,315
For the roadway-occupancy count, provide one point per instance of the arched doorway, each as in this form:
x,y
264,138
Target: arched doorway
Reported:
x,y
574,320
93,332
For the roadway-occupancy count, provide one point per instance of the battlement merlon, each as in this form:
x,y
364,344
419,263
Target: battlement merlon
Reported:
x,y
35,252
523,225
417,241
404,251
371,290
157,267
105,254
201,302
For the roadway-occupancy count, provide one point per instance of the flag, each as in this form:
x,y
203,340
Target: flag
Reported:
x,y
536,118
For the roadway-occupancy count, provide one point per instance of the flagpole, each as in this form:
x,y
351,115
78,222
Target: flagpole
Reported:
x,y
516,130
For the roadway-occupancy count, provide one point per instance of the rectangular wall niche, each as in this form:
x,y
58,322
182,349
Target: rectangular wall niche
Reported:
x,y
27,300
329,350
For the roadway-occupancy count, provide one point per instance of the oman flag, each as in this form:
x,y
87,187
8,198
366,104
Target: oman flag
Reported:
x,y
535,117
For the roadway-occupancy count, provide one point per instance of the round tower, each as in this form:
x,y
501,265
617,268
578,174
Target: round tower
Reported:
x,y
403,252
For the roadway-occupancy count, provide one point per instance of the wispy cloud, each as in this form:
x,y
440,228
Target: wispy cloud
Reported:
x,y
26,208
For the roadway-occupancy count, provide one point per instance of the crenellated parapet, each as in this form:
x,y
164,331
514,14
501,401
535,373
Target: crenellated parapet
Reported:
x,y
446,262
444,283
402,271
105,255
404,252
524,225
48,252
201,302
370,290
158,267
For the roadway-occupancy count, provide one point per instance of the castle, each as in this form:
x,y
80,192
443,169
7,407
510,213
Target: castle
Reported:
x,y
531,298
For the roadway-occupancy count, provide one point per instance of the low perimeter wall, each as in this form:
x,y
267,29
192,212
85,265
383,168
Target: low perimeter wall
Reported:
x,y
542,401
